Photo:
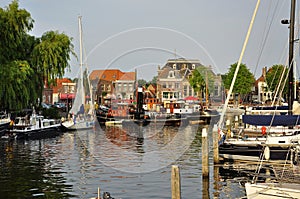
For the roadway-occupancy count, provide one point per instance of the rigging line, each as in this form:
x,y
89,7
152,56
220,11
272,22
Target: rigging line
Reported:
x,y
266,33
238,65
280,84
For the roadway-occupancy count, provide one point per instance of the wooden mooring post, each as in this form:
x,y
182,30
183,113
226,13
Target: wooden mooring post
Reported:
x,y
205,152
175,182
215,135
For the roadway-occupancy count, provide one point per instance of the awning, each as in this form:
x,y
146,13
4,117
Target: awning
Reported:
x,y
64,96
191,98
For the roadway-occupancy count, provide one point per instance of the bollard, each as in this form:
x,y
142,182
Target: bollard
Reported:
x,y
175,182
205,168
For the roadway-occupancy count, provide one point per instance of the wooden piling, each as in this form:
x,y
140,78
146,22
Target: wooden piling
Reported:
x,y
216,144
205,168
205,187
175,182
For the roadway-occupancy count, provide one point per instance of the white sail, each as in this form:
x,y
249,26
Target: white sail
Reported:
x,y
82,111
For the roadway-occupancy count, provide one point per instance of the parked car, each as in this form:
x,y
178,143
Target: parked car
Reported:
x,y
61,106
46,106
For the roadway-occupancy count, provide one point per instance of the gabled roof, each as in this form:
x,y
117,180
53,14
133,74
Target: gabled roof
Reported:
x,y
111,75
128,76
59,84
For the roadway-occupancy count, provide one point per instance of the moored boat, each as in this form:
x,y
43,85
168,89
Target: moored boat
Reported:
x,y
4,123
34,127
82,114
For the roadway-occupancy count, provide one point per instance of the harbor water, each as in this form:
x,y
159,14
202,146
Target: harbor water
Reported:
x,y
131,162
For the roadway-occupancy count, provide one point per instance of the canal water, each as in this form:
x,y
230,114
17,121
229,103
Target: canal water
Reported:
x,y
131,162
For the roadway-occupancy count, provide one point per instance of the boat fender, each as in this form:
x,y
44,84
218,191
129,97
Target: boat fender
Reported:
x,y
267,153
294,156
263,130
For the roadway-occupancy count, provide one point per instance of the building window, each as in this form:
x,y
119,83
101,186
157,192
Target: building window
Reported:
x,y
166,95
108,87
176,95
130,87
190,90
125,87
171,74
185,89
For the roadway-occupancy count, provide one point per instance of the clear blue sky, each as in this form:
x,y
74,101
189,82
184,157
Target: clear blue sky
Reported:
x,y
141,34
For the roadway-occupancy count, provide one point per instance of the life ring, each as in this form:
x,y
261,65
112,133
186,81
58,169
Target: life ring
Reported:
x,y
263,130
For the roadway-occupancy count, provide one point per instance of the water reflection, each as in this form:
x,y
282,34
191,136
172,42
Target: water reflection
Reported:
x,y
128,163
27,171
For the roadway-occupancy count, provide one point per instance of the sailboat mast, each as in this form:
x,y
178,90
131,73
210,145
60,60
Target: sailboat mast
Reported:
x,y
291,58
81,61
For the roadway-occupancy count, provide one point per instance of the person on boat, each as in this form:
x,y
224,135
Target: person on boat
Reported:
x,y
222,137
81,109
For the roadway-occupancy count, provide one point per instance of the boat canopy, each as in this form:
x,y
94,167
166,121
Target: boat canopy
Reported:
x,y
272,120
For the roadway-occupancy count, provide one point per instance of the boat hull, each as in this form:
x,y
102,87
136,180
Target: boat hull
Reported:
x,y
272,190
42,133
83,125
228,151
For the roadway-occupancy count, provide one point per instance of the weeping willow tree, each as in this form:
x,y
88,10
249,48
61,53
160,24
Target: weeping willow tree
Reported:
x,y
51,56
25,61
15,71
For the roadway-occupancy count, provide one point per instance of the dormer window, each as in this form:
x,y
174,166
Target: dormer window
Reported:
x,y
171,74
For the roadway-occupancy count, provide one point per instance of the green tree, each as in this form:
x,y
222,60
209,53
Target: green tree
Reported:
x,y
14,25
16,88
51,55
26,61
273,77
154,80
197,82
142,82
244,82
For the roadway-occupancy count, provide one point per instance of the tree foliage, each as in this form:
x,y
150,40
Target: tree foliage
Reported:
x,y
197,82
273,77
244,82
200,76
52,54
25,61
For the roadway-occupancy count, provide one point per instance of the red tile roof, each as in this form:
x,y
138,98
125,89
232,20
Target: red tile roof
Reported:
x,y
59,84
111,75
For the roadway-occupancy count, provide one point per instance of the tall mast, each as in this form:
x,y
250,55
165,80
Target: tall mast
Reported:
x,y
80,59
291,96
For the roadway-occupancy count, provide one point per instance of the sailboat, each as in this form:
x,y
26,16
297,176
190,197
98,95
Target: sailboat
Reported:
x,y
82,114
287,182
270,145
